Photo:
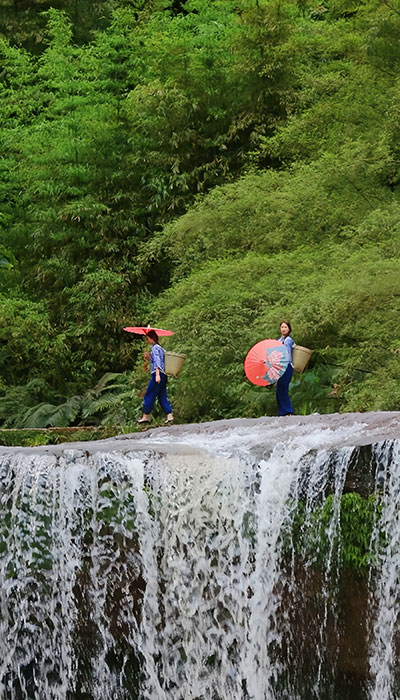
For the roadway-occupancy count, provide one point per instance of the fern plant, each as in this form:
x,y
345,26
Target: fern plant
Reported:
x,y
112,401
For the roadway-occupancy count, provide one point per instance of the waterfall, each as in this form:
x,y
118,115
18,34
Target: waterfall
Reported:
x,y
386,631
197,564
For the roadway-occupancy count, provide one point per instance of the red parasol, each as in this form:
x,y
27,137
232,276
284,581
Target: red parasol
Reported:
x,y
266,362
143,330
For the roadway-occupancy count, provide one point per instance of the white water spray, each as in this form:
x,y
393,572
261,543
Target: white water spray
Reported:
x,y
383,657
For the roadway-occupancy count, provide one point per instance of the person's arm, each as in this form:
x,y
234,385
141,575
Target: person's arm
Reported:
x,y
158,357
289,342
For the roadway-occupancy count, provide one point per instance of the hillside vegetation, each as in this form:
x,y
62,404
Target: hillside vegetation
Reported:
x,y
209,167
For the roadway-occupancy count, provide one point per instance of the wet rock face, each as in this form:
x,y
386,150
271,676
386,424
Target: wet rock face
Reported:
x,y
337,650
361,474
364,473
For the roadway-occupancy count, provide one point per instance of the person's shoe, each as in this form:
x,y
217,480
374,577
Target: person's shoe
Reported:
x,y
169,420
143,420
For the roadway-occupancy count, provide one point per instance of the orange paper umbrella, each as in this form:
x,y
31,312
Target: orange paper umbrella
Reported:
x,y
143,330
265,362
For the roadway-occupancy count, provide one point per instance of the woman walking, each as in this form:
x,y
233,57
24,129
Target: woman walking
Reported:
x,y
157,386
285,407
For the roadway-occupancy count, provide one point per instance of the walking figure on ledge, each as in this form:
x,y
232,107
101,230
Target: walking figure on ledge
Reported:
x,y
157,386
285,407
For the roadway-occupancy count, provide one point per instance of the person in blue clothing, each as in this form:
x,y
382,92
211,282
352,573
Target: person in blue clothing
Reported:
x,y
285,407
157,386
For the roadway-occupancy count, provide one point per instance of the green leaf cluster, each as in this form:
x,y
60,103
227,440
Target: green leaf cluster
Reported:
x,y
350,547
51,436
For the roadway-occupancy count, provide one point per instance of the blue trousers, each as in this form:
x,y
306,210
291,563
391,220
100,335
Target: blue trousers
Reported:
x,y
285,407
156,391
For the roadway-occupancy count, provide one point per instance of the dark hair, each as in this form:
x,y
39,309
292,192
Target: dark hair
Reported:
x,y
287,323
153,335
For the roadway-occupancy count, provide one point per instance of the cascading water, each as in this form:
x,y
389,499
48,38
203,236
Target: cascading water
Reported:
x,y
200,564
385,647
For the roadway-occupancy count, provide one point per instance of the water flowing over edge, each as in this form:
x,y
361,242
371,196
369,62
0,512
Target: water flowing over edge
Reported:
x,y
170,566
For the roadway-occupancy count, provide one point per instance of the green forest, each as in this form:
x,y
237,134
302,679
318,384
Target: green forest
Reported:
x,y
207,166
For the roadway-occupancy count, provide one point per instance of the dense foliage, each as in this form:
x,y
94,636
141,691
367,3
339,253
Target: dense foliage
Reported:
x,y
53,436
209,166
349,546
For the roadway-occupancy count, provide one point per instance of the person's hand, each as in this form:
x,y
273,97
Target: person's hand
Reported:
x,y
158,376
